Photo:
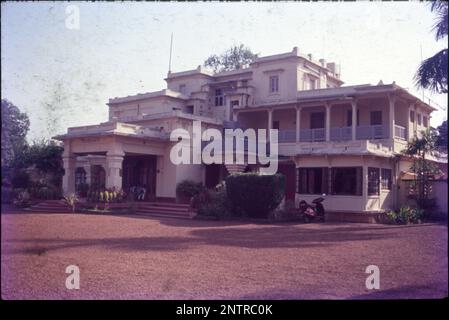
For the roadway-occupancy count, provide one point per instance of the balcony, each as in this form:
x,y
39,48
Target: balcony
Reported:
x,y
373,132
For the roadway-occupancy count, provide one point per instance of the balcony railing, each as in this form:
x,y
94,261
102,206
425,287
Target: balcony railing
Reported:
x,y
371,132
312,135
399,132
341,134
286,136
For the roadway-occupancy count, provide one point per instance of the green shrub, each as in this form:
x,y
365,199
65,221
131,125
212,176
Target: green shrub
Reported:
x,y
256,194
21,197
20,179
187,189
288,212
405,215
215,204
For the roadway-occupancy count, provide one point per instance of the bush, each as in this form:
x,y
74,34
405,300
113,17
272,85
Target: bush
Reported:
x,y
256,194
215,204
82,189
405,215
186,189
21,198
20,179
289,212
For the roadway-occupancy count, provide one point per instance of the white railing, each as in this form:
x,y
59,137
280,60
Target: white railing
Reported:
x,y
340,134
399,132
286,136
312,135
371,132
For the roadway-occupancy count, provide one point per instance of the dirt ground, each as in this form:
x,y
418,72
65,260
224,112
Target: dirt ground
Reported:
x,y
132,257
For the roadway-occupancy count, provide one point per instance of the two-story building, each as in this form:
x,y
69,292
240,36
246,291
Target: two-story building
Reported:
x,y
344,141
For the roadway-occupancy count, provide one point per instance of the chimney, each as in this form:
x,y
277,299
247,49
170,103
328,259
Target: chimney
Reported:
x,y
331,66
323,62
295,51
310,56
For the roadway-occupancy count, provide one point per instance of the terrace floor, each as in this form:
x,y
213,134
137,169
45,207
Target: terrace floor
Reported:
x,y
136,257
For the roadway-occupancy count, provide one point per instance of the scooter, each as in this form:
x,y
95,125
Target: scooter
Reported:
x,y
314,212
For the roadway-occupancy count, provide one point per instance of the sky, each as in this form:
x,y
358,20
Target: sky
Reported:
x,y
64,76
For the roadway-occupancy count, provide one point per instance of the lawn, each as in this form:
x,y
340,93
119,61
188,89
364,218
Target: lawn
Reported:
x,y
132,257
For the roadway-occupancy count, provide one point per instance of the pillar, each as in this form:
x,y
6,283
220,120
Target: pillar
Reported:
x,y
364,185
114,163
298,123
391,101
354,120
87,169
328,122
270,123
68,180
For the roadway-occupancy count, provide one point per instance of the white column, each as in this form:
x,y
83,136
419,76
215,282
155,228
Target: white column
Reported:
x,y
365,185
328,122
298,123
68,180
87,169
235,116
270,123
114,170
391,101
354,119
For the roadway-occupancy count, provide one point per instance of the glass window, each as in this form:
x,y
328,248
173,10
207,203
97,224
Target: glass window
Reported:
x,y
219,97
424,121
412,116
385,179
419,119
312,180
274,84
347,181
373,181
182,88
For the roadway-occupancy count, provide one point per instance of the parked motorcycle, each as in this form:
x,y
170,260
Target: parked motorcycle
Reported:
x,y
314,212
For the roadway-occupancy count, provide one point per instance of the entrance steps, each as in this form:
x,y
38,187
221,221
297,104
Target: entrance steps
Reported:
x,y
51,206
164,209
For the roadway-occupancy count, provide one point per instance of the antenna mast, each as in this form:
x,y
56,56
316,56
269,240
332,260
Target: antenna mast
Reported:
x,y
171,47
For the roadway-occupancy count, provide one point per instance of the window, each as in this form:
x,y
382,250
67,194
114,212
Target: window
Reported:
x,y
349,118
419,119
276,125
312,180
274,84
182,88
376,118
347,181
412,116
219,98
385,179
189,109
424,121
234,103
373,181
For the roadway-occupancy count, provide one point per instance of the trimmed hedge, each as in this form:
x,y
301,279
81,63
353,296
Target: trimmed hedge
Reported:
x,y
257,195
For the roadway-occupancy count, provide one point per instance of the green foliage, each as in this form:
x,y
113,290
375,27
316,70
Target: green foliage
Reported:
x,y
237,57
15,126
21,198
214,204
288,212
256,194
20,179
188,188
432,73
441,140
405,215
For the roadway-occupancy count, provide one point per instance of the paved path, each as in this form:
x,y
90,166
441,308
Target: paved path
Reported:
x,y
135,257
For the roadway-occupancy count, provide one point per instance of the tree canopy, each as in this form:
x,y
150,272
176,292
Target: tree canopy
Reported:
x,y
432,73
15,126
441,140
237,57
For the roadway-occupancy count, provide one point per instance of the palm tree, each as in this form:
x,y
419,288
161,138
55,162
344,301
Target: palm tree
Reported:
x,y
432,73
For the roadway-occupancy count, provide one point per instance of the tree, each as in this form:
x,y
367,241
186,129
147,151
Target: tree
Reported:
x,y
419,148
441,140
15,126
237,57
432,73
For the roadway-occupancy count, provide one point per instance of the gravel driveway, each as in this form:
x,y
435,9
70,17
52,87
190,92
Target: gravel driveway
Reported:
x,y
132,257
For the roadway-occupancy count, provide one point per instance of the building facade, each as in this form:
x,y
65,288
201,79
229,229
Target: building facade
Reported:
x,y
345,141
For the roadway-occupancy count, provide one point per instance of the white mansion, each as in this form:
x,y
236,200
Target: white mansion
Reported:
x,y
344,141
